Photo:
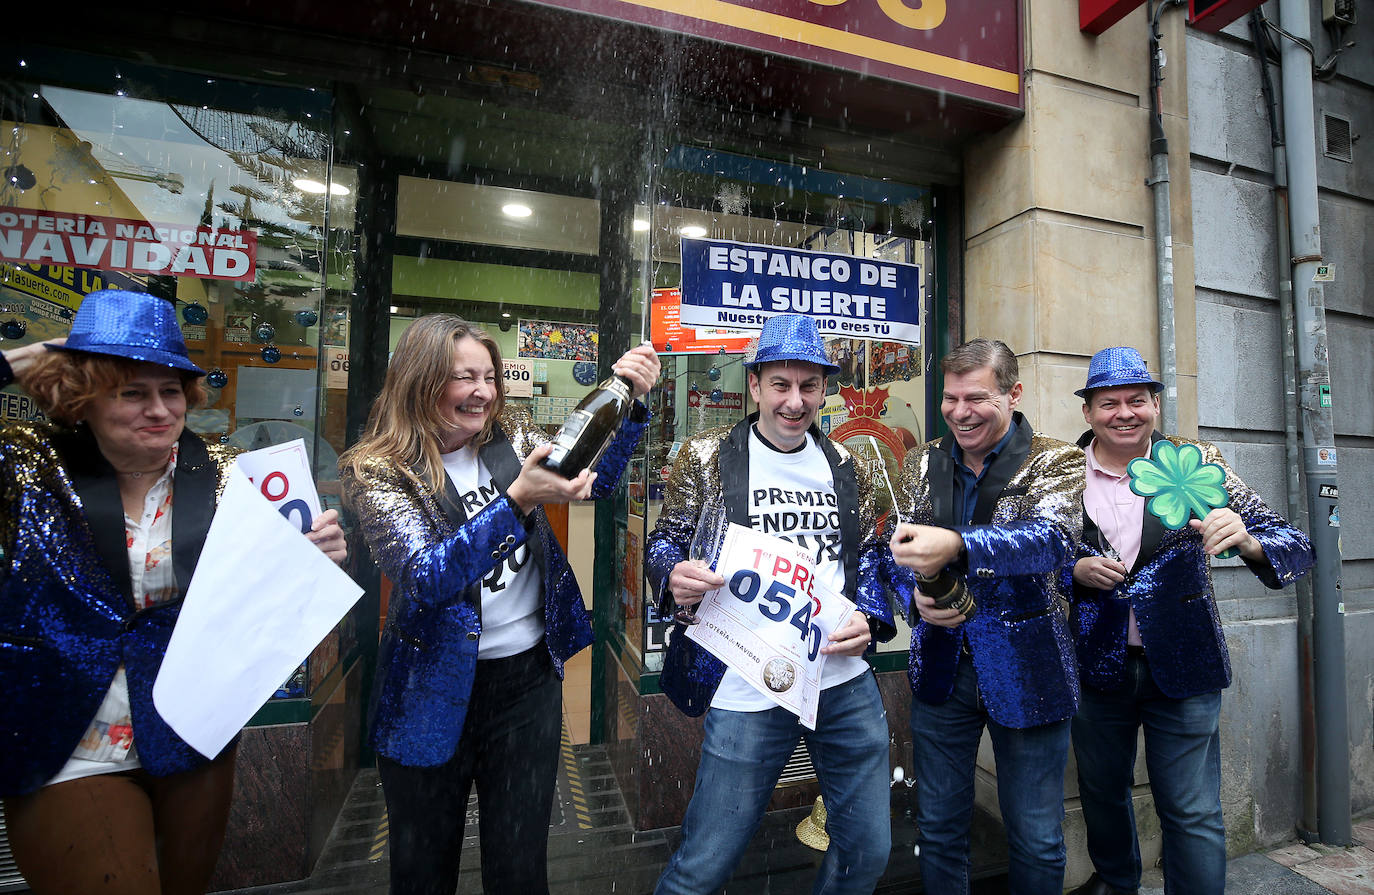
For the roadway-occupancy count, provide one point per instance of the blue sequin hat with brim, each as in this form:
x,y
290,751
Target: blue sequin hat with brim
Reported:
x,y
1122,365
791,337
133,325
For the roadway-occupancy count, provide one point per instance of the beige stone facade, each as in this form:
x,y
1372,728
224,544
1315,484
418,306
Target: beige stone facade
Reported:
x,y
1060,243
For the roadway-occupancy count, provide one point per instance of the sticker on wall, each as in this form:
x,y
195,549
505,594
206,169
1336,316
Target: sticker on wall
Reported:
x,y
519,375
1326,456
334,332
236,327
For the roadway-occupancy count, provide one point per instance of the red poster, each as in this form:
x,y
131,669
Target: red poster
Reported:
x,y
670,336
31,236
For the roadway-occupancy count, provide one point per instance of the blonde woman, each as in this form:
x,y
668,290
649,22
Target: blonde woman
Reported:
x,y
448,490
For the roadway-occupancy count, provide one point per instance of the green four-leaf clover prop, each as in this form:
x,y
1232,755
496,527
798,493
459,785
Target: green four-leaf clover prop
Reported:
x,y
1177,484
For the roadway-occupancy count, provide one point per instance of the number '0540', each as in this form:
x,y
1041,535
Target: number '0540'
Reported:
x,y
775,604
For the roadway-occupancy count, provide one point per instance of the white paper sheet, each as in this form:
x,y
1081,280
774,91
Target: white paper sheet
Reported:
x,y
282,474
771,619
261,599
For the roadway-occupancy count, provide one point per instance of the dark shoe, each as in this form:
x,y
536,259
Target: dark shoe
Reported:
x,y
1096,886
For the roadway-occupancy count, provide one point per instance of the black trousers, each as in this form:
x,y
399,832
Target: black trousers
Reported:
x,y
509,749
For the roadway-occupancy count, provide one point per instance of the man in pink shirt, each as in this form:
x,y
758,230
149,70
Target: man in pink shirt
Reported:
x,y
1150,646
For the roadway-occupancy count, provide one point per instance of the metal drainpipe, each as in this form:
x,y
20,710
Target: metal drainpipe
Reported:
x,y
1164,234
1297,512
1318,430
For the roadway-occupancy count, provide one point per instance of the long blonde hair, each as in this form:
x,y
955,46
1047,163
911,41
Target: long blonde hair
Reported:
x,y
405,424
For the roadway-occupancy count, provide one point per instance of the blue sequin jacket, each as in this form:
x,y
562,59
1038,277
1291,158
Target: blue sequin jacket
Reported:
x,y
1170,589
714,467
1027,520
67,620
435,557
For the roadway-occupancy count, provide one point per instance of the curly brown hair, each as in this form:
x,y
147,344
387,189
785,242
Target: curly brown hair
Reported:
x,y
66,383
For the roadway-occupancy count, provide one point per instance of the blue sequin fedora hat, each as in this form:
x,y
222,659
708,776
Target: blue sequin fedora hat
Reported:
x,y
791,337
134,325
1122,365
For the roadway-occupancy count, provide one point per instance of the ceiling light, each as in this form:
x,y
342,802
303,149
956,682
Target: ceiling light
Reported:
x,y
515,210
641,225
505,313
338,189
306,185
692,231
394,309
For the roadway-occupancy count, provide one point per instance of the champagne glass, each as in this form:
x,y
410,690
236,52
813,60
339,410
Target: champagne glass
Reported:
x,y
1106,547
707,538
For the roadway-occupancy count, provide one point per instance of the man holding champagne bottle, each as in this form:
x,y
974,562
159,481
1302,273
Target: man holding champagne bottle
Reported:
x,y
776,472
996,513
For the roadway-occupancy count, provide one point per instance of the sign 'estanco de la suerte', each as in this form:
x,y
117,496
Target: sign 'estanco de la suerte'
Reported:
x,y
739,285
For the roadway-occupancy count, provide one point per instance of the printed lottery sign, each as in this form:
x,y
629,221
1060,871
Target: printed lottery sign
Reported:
x,y
39,236
282,473
771,619
519,377
740,285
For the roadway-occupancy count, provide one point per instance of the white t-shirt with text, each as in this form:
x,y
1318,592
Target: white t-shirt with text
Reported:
x,y
512,592
792,496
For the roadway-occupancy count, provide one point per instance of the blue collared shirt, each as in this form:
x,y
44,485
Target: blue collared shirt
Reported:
x,y
966,483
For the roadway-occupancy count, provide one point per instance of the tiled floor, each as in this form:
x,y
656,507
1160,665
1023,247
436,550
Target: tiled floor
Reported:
x,y
577,697
594,851
1297,869
1346,871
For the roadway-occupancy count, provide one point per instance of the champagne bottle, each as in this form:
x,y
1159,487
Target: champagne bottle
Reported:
x,y
584,435
949,591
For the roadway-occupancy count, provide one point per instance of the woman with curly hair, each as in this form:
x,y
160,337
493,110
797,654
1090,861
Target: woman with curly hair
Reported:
x,y
103,514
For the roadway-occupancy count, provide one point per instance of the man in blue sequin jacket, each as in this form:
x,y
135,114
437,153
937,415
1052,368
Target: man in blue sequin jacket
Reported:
x,y
1150,646
770,472
997,506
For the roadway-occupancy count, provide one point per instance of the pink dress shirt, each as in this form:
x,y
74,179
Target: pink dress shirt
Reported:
x,y
1120,517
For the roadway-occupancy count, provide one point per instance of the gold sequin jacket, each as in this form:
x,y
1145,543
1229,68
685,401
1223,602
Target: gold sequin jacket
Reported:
x,y
713,467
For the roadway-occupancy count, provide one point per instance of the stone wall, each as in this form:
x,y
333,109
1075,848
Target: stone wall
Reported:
x,y
1239,404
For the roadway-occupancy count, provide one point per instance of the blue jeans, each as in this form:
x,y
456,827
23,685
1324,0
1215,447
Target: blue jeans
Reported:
x,y
743,755
1030,791
1183,758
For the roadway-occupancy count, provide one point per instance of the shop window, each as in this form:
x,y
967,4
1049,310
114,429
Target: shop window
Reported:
x,y
877,400
217,196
